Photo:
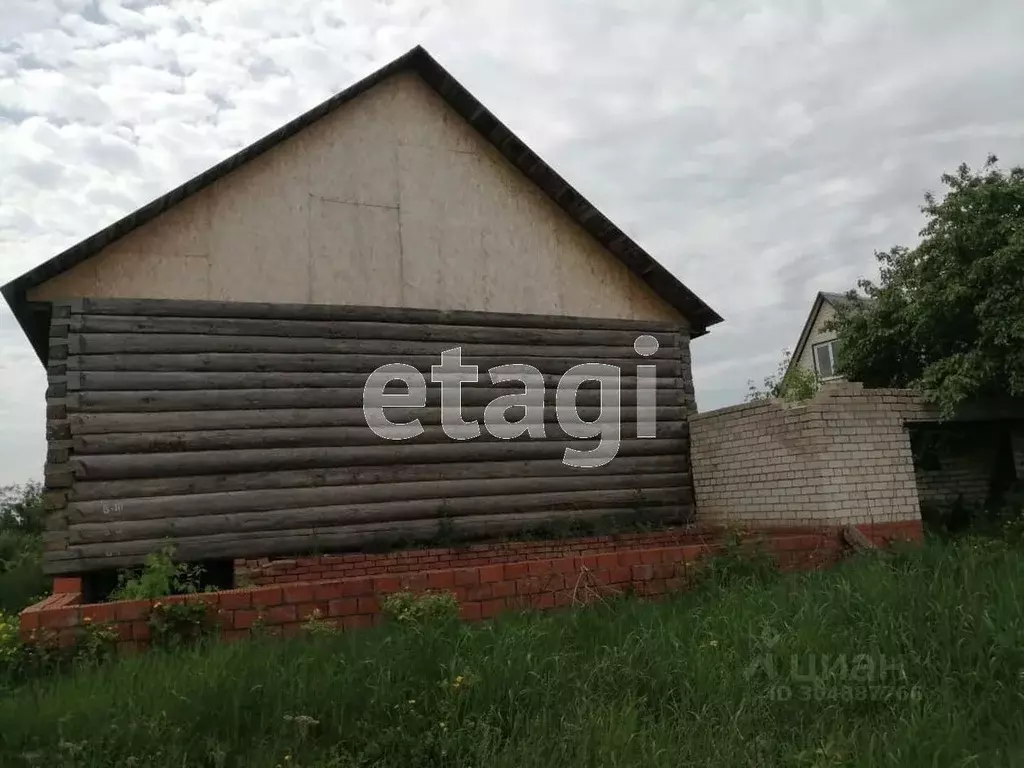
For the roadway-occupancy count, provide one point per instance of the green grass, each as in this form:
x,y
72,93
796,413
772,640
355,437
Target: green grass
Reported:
x,y
628,683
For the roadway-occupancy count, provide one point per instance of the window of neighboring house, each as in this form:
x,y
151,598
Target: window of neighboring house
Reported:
x,y
825,360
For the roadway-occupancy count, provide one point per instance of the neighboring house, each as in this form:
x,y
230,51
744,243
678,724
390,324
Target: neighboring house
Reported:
x,y
816,349
206,354
971,458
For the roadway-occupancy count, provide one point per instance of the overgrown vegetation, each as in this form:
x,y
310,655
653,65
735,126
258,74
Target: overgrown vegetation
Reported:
x,y
418,610
740,560
948,315
43,656
159,576
22,523
170,623
176,624
910,660
790,383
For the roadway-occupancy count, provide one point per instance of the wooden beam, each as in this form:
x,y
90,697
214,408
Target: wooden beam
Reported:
x,y
121,467
112,490
130,381
326,363
297,398
84,423
77,559
449,495
156,343
304,437
273,311
56,477
352,329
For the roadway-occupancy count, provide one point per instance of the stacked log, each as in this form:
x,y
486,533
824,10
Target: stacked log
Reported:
x,y
237,430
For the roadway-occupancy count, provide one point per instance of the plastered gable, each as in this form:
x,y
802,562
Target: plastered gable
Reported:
x,y
391,200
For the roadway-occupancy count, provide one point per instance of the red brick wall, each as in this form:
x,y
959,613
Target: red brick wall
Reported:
x,y
285,570
347,589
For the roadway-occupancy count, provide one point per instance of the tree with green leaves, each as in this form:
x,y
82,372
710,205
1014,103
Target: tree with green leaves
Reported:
x,y
790,383
947,316
22,523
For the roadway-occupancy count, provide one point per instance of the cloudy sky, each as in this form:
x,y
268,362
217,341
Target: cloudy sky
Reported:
x,y
761,151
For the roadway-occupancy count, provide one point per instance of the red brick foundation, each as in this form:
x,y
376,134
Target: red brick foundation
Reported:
x,y
486,579
287,570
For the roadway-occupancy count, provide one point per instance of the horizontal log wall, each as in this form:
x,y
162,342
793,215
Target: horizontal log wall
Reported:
x,y
236,430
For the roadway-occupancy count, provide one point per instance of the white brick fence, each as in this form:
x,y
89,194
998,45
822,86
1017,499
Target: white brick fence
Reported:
x,y
843,457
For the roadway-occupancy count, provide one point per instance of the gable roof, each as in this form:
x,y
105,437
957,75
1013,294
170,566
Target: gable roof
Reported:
x,y
819,299
641,263
837,300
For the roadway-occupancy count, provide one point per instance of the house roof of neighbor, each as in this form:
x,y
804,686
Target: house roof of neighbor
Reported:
x,y
837,300
667,286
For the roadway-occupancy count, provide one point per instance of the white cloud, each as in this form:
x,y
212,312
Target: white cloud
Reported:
x,y
762,152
